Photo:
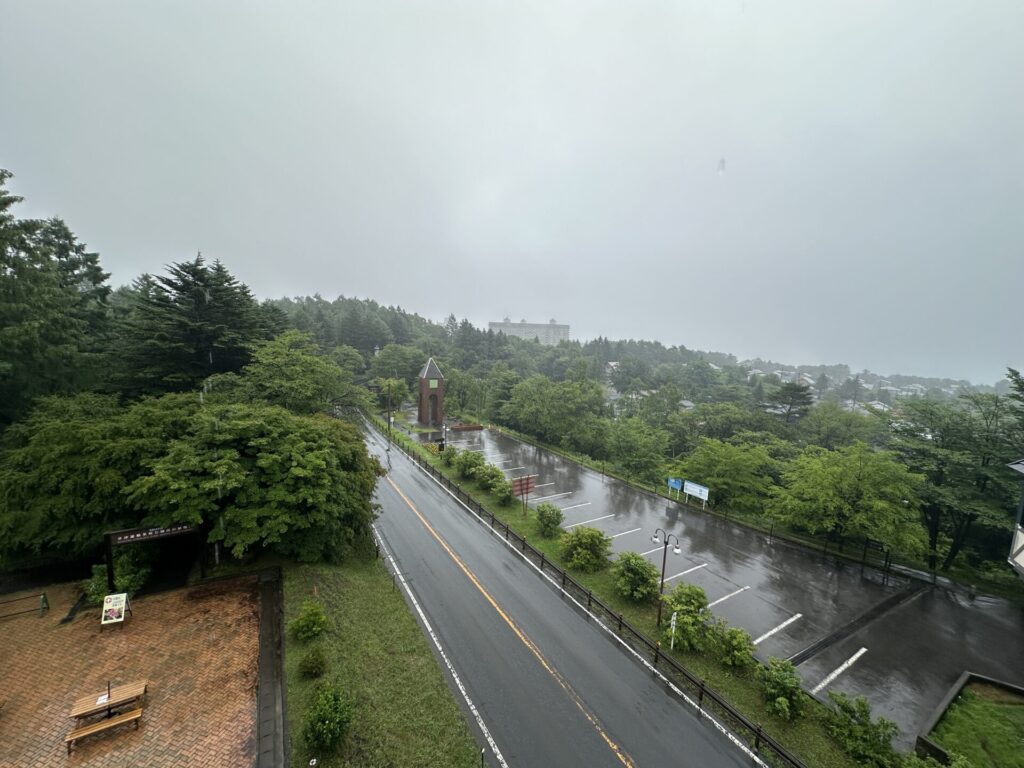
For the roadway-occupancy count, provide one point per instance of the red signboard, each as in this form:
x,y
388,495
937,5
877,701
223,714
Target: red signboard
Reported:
x,y
522,486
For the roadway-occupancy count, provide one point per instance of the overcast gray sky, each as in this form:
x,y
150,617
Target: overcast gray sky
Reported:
x,y
805,181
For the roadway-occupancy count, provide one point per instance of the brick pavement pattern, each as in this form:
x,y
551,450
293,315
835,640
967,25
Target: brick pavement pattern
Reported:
x,y
198,647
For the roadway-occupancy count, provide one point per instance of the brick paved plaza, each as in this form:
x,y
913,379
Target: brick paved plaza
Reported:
x,y
198,648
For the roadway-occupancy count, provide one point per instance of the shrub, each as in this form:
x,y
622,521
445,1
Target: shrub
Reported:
x,y
130,575
781,686
327,720
734,645
310,623
549,520
636,578
586,549
448,455
488,476
867,741
503,492
467,462
690,605
314,663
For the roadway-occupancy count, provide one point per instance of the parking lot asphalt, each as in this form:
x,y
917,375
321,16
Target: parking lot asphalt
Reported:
x,y
918,640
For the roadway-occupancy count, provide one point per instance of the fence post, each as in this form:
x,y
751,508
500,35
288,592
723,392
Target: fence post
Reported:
x,y
590,595
542,562
44,604
757,738
524,543
620,623
563,579
657,654
506,531
700,696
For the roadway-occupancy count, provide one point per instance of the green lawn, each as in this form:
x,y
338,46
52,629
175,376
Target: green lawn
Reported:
x,y
405,714
986,725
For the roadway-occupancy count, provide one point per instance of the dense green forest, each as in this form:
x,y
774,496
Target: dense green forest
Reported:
x,y
155,402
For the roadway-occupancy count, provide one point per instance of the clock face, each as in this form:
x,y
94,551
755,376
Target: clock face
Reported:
x,y
433,383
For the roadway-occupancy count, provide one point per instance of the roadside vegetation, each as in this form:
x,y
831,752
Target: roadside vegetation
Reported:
x,y
364,687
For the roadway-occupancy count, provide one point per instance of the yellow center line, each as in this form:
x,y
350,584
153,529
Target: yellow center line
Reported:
x,y
623,758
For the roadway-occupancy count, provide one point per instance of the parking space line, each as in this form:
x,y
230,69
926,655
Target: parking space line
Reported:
x,y
577,506
652,551
839,670
783,625
589,521
688,570
625,532
513,469
554,496
731,594
543,485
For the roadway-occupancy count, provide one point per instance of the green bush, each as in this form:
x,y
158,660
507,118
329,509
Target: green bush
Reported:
x,y
636,578
488,476
690,605
314,663
466,463
734,645
449,454
549,520
780,683
310,623
130,575
327,720
867,741
503,492
586,549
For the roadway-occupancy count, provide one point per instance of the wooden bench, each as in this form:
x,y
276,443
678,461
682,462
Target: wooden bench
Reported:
x,y
103,725
118,696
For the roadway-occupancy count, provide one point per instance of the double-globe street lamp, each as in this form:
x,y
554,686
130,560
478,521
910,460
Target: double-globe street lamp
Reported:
x,y
656,539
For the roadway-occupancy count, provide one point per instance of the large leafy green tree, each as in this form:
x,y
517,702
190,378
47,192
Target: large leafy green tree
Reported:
x,y
638,448
852,491
739,477
261,476
961,448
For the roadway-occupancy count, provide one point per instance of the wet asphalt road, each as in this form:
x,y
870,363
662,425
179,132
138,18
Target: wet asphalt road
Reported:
x,y
551,688
916,648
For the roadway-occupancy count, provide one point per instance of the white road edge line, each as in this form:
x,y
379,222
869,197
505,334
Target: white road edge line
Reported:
x,y
597,620
688,570
576,506
555,496
604,517
783,625
839,670
437,644
731,594
625,532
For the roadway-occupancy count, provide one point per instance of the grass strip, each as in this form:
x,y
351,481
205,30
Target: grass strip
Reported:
x,y
405,715
986,725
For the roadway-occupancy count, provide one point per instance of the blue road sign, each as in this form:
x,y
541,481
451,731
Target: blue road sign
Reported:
x,y
676,483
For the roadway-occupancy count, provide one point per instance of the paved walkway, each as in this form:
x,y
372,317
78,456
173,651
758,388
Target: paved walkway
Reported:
x,y
197,647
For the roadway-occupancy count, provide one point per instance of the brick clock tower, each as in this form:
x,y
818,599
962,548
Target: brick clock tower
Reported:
x,y
431,413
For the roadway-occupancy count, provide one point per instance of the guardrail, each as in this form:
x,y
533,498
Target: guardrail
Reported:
x,y
44,605
705,697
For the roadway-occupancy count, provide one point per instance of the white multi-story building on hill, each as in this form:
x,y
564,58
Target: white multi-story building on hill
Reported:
x,y
547,333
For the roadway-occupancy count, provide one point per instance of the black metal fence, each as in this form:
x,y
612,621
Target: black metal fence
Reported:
x,y
17,605
706,698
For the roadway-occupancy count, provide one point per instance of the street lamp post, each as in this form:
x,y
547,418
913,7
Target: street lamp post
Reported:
x,y
656,539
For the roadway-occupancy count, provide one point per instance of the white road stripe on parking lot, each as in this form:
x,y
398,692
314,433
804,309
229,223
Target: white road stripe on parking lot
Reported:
x,y
577,506
731,594
554,496
513,469
688,570
503,461
783,625
842,668
625,532
651,551
543,485
589,521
